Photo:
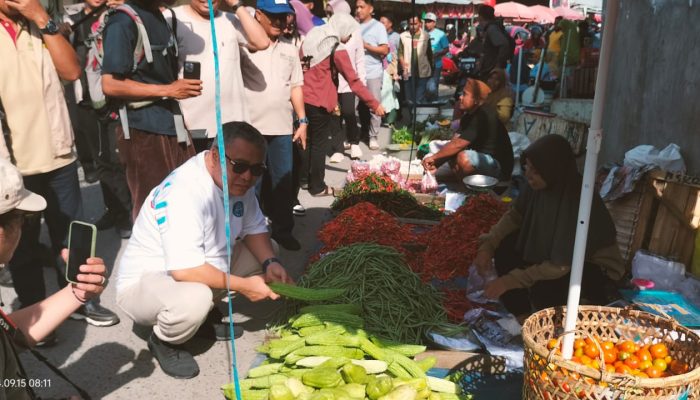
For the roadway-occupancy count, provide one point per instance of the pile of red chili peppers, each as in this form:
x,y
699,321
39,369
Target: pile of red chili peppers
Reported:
x,y
452,244
444,252
365,222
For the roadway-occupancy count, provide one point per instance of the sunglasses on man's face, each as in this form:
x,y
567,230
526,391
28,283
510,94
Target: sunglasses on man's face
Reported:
x,y
241,168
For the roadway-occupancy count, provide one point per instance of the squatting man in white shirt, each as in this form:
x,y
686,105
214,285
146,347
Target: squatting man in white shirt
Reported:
x,y
173,271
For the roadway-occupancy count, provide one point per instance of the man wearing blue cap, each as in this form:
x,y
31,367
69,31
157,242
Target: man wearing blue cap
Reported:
x,y
273,82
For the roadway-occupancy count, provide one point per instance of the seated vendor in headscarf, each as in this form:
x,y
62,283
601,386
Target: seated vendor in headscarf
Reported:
x,y
481,145
532,245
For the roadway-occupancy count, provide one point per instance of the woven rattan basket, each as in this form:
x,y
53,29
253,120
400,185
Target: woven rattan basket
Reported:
x,y
549,376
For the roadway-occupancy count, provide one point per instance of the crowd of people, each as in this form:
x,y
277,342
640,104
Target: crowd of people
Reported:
x,y
138,114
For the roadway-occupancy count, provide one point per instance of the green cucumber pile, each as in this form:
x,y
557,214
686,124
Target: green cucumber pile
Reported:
x,y
323,353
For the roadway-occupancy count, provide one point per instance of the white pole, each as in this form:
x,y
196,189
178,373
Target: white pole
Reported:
x,y
595,135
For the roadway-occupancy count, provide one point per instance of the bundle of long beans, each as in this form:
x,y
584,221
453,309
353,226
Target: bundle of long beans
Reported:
x,y
395,303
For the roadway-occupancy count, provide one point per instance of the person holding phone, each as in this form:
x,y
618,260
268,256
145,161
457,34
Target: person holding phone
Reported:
x,y
174,269
36,58
235,30
29,325
273,83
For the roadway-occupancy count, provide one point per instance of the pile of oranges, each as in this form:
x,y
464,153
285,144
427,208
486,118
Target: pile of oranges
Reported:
x,y
626,357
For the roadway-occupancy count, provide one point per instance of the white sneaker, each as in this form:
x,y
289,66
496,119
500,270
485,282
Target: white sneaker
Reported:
x,y
355,151
373,145
299,210
346,145
337,157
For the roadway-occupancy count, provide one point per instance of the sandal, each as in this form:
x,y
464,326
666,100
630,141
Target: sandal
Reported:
x,y
328,191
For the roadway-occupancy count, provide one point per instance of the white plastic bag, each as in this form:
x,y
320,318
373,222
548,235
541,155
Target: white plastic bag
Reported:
x,y
668,159
428,183
666,274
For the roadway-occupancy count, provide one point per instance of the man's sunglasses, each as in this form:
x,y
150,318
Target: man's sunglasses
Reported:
x,y
241,168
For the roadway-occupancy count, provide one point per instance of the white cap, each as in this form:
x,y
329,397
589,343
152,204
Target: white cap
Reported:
x,y
430,17
13,195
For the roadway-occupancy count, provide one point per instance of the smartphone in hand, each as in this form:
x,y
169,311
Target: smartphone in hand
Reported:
x,y
192,70
81,246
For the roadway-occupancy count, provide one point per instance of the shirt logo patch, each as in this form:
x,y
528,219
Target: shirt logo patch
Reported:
x,y
238,209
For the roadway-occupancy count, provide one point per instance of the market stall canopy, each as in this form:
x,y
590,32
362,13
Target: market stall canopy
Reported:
x,y
543,15
568,13
514,10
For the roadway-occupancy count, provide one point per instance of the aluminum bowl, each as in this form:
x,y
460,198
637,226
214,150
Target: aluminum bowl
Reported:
x,y
479,182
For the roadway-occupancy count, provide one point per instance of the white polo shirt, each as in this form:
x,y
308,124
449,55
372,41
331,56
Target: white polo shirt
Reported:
x,y
181,225
269,76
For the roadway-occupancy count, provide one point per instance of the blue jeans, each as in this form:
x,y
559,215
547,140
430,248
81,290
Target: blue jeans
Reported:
x,y
431,89
419,95
64,204
276,187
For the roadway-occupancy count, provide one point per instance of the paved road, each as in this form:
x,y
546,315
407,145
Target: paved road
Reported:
x,y
114,362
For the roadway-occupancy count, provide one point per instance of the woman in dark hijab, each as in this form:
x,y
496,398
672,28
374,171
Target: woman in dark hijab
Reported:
x,y
533,243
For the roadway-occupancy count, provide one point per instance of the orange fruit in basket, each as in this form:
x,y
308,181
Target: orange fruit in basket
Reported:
x,y
607,345
579,343
643,355
627,346
609,368
653,372
578,352
552,343
623,355
678,367
661,364
659,350
610,356
644,365
640,374
632,362
585,360
591,350
623,369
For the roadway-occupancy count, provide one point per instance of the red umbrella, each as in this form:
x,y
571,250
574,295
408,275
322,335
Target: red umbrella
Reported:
x,y
514,10
568,13
544,15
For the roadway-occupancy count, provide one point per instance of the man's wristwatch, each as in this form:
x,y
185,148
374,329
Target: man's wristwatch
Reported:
x,y
267,263
50,29
303,121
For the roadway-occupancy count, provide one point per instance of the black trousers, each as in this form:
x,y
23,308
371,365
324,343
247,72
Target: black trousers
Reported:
x,y
547,293
102,133
320,123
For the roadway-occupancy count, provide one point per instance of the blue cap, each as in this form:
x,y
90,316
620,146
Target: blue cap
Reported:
x,y
275,6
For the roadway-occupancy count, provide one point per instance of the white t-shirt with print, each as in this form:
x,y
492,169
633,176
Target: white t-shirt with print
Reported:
x,y
194,44
181,225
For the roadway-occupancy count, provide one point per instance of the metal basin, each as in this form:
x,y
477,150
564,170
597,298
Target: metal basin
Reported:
x,y
479,182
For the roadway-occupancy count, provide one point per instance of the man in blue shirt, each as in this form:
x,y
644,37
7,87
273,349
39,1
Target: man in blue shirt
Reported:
x,y
440,47
376,48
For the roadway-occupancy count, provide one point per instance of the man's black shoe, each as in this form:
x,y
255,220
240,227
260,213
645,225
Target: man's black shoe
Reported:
x,y
95,314
91,175
218,331
173,360
287,241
